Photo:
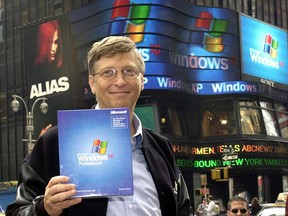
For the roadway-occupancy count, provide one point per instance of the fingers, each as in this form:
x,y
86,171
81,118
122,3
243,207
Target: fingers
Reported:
x,y
58,195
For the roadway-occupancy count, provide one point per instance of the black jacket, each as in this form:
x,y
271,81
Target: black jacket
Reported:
x,y
43,163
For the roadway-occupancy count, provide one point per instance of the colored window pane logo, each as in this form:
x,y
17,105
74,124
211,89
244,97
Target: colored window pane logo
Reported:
x,y
129,19
213,38
99,147
271,46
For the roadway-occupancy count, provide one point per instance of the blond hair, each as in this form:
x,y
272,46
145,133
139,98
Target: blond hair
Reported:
x,y
111,46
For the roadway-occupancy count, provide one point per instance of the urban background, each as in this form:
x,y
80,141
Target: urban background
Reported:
x,y
19,20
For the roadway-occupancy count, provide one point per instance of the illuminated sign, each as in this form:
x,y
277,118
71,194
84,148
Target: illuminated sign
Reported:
x,y
199,43
130,19
240,162
254,155
246,149
212,88
212,40
264,53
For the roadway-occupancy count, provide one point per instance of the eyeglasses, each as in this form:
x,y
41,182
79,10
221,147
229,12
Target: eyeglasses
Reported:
x,y
110,73
242,211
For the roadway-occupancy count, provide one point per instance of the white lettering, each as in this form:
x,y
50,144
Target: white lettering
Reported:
x,y
145,54
257,58
267,82
236,87
52,86
192,61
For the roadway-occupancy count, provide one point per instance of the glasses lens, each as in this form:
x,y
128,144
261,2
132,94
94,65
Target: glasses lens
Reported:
x,y
108,73
242,211
130,72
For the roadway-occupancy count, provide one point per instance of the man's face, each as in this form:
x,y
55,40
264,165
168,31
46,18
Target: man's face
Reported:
x,y
238,208
119,91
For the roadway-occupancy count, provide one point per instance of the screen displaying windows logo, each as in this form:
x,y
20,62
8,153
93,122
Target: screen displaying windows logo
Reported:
x,y
271,46
137,15
213,37
99,147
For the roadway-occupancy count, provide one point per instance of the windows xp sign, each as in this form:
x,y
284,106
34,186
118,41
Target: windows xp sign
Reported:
x,y
264,53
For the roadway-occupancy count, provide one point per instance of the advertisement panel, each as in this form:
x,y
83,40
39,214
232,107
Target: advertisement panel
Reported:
x,y
47,69
248,155
195,43
264,53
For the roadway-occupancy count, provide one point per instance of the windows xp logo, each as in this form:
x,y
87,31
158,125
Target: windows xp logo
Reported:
x,y
213,37
129,19
99,147
271,46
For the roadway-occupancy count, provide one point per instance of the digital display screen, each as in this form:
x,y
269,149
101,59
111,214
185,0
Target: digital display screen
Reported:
x,y
264,53
185,41
245,154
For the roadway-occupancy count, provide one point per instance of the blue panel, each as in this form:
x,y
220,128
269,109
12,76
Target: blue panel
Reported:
x,y
184,41
260,61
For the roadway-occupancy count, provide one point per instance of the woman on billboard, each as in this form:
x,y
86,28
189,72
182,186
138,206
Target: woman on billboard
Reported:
x,y
50,51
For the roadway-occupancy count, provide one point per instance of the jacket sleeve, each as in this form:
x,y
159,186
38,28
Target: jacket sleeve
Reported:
x,y
170,184
210,207
29,201
34,174
183,200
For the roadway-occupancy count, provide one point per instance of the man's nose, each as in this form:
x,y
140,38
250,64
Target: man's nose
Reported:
x,y
120,77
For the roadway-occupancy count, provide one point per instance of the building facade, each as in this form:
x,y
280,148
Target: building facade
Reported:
x,y
220,99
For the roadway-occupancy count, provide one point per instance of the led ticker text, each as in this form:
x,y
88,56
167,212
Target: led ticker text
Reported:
x,y
240,162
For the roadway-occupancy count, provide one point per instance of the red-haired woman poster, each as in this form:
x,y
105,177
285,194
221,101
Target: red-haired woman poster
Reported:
x,y
49,44
46,68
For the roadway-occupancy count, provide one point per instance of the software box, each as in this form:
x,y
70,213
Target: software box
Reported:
x,y
95,151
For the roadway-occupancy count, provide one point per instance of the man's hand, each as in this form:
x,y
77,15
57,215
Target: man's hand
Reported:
x,y
58,195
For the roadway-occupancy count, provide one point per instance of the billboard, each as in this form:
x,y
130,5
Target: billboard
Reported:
x,y
264,53
250,155
184,41
47,68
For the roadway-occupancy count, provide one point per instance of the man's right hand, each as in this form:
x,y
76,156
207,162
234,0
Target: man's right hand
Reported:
x,y
58,195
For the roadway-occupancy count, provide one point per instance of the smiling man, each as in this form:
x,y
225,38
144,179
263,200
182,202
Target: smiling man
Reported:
x,y
116,77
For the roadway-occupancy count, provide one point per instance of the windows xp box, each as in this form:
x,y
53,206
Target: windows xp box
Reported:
x,y
95,151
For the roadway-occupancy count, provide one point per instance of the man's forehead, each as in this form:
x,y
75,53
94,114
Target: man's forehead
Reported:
x,y
238,203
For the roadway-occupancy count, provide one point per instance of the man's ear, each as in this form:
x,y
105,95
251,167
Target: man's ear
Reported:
x,y
142,83
92,83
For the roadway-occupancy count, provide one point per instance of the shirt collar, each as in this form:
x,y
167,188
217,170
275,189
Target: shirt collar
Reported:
x,y
138,131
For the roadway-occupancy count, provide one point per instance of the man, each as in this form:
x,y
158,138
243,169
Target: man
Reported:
x,y
202,208
286,207
210,208
116,71
238,206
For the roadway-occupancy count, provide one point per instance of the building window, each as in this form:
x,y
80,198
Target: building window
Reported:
x,y
269,117
218,118
174,117
170,117
250,118
3,107
282,116
146,115
169,121
1,21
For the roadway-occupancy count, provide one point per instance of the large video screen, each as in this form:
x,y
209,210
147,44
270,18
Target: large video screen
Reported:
x,y
177,39
264,53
